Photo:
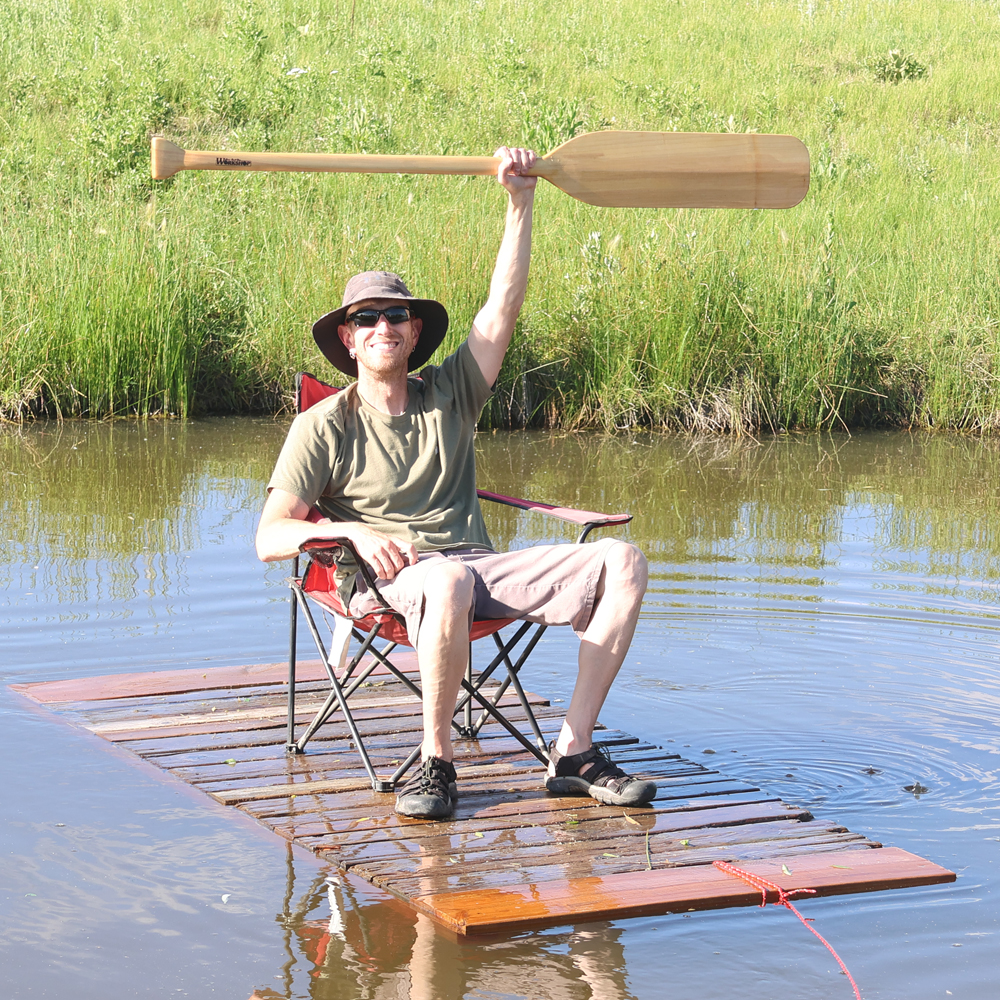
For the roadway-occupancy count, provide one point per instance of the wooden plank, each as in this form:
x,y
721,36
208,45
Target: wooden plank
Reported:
x,y
499,802
668,790
613,897
110,686
290,790
403,703
92,714
549,719
247,794
243,715
518,795
255,697
503,776
231,772
540,821
392,721
474,816
451,873
499,773
493,799
530,795
665,842
440,876
494,741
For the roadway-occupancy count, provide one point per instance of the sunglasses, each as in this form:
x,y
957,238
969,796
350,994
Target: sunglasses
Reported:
x,y
394,315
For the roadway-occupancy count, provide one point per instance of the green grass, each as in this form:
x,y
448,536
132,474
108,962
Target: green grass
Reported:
x,y
875,301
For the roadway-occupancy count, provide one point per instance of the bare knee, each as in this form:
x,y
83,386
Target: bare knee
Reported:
x,y
449,585
626,566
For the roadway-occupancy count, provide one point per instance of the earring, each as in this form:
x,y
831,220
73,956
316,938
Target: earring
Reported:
x,y
352,354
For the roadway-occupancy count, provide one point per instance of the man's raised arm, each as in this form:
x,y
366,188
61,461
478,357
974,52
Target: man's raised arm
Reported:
x,y
494,325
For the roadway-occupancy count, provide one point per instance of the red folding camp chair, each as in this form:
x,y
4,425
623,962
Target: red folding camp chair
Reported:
x,y
316,586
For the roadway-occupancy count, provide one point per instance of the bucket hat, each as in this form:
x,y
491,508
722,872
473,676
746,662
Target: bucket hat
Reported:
x,y
380,285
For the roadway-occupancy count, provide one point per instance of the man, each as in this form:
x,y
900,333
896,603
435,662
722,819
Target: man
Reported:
x,y
390,461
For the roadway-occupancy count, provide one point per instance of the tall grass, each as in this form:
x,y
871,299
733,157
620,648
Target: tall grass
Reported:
x,y
875,301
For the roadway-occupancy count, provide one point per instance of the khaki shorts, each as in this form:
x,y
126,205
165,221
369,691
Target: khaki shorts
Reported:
x,y
547,584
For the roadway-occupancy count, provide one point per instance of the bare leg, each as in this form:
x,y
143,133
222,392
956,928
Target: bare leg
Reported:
x,y
443,650
603,647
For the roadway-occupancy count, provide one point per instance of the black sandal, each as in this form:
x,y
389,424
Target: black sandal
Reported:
x,y
603,780
430,793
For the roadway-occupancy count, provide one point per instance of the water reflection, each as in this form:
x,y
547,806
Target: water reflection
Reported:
x,y
823,615
110,512
925,508
337,928
122,531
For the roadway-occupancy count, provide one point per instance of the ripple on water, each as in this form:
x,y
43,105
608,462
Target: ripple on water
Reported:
x,y
837,769
850,711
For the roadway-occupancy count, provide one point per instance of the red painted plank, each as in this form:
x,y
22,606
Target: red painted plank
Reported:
x,y
110,686
647,893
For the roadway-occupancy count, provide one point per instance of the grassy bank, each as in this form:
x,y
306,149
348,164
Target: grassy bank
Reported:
x,y
875,301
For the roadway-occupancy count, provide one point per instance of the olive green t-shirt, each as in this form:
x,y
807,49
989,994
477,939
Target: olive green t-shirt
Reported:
x,y
411,476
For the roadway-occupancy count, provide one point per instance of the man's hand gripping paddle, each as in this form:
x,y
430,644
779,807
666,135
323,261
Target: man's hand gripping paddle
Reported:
x,y
611,169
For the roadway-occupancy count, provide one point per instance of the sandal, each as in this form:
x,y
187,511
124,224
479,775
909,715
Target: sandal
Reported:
x,y
603,780
430,793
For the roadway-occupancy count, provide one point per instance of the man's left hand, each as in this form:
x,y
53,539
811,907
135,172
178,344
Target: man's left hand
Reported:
x,y
513,164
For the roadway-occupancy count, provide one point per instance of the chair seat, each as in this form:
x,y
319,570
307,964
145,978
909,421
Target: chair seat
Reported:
x,y
391,629
320,584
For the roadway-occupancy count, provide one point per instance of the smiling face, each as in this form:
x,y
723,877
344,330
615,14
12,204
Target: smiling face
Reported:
x,y
382,350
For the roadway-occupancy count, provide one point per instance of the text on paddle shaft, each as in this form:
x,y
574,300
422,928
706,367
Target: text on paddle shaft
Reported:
x,y
228,161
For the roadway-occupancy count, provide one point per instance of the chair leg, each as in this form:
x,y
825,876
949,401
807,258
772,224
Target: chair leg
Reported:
x,y
406,765
501,657
513,678
337,694
293,601
509,726
468,702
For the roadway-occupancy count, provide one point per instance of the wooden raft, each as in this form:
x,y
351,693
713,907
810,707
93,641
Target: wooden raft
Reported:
x,y
513,856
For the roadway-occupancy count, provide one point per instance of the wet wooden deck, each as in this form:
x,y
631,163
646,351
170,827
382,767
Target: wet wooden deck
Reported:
x,y
513,856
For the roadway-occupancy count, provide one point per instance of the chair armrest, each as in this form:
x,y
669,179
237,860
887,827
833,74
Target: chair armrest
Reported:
x,y
319,544
311,545
590,518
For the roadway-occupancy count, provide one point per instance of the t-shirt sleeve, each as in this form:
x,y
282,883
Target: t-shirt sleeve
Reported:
x,y
305,463
460,377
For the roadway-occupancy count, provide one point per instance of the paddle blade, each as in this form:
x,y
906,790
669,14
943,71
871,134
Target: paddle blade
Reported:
x,y
680,170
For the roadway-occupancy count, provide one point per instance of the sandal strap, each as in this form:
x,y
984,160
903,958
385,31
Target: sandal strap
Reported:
x,y
434,777
603,771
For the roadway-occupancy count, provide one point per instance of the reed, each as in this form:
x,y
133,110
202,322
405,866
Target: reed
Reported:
x,y
874,302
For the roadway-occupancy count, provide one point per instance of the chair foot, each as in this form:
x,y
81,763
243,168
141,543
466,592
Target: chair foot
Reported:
x,y
383,786
293,748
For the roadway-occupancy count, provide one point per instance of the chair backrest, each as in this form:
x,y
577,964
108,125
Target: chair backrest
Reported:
x,y
309,390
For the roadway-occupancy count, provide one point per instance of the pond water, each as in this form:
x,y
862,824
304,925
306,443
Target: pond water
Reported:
x,y
823,614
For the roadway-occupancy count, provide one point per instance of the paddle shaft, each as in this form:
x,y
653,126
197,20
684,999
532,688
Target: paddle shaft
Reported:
x,y
346,163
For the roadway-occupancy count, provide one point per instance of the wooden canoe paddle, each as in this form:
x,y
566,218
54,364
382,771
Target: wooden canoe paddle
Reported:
x,y
611,169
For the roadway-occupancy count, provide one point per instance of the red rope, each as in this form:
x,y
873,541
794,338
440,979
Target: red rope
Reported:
x,y
763,885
